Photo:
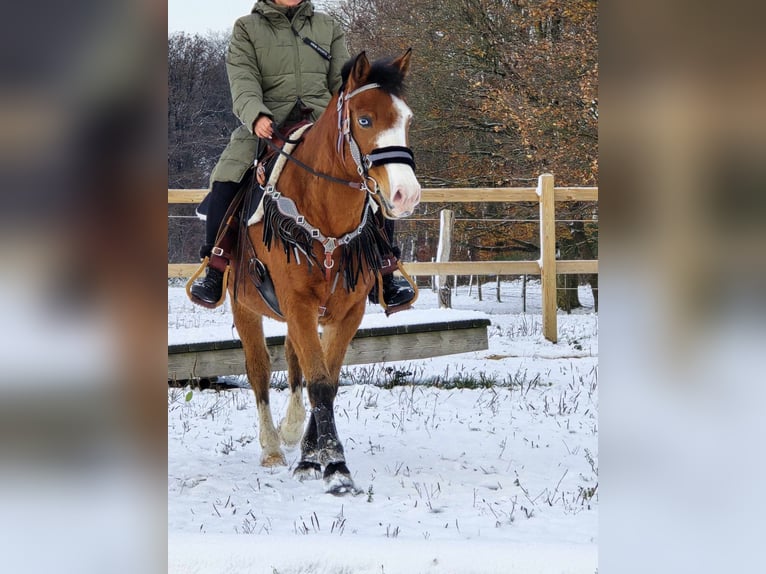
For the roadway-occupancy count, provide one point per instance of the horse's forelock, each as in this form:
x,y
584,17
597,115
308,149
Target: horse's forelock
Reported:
x,y
383,72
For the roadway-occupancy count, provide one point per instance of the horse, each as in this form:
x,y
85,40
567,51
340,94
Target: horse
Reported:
x,y
352,161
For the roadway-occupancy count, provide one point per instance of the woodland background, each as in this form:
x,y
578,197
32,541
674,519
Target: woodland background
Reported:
x,y
502,91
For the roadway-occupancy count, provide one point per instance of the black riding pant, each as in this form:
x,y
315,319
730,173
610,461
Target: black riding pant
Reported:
x,y
388,225
221,196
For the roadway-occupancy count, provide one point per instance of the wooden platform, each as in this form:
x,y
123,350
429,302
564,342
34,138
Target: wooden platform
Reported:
x,y
370,345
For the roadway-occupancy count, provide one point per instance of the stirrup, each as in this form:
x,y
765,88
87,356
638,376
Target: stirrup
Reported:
x,y
391,309
224,285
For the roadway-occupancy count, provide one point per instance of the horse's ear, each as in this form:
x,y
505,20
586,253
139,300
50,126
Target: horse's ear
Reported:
x,y
359,71
403,62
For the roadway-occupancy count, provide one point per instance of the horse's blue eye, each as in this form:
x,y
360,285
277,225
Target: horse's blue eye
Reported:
x,y
365,122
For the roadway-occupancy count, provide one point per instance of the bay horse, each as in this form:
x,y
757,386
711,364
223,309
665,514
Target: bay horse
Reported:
x,y
318,241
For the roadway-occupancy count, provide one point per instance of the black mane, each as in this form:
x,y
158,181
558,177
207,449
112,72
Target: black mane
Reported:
x,y
382,72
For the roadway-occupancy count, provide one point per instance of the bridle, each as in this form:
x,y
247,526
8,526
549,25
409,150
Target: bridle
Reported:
x,y
378,156
364,162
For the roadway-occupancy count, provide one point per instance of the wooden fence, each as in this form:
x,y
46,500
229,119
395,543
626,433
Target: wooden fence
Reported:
x,y
547,266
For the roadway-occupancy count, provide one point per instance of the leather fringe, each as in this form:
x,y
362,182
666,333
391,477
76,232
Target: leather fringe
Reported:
x,y
362,251
279,227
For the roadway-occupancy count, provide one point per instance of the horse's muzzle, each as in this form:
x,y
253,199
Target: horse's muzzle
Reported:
x,y
404,200
397,209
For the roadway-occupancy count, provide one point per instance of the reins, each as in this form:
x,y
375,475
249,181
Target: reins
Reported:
x,y
306,167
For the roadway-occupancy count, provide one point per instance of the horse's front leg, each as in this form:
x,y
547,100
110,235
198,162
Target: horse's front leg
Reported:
x,y
321,446
335,341
258,366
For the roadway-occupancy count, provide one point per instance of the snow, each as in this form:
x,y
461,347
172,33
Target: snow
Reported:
x,y
225,554
493,478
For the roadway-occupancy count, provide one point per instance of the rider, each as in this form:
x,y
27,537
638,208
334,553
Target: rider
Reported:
x,y
281,54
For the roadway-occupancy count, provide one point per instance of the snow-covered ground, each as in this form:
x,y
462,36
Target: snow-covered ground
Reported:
x,y
493,471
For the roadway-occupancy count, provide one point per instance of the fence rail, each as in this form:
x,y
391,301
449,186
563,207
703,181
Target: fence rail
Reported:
x,y
447,195
545,194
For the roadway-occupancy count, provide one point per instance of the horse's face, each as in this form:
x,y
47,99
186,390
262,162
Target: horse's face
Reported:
x,y
398,187
381,120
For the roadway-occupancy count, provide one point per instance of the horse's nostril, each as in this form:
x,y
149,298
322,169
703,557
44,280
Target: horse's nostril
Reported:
x,y
398,197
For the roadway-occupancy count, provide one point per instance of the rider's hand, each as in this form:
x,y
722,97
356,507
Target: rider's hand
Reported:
x,y
262,127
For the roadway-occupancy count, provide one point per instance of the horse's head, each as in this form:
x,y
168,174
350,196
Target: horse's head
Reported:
x,y
378,123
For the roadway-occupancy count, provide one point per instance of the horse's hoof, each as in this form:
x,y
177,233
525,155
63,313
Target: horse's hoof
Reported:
x,y
307,471
273,459
337,480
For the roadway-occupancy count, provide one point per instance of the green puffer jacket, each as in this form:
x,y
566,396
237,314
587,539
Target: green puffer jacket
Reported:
x,y
270,68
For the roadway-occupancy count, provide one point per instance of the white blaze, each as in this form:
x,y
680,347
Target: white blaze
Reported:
x,y
405,189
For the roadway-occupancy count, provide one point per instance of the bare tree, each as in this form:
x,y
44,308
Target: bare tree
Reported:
x,y
200,119
502,91
200,122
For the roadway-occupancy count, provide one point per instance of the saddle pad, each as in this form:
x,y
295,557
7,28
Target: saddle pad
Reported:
x,y
277,171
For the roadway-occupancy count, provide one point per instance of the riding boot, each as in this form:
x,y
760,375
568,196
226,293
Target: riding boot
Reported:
x,y
396,291
209,288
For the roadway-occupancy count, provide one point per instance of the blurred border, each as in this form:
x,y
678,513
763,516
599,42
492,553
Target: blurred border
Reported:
x,y
82,152
683,165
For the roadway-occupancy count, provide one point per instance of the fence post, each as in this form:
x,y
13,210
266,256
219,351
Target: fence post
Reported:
x,y
547,261
523,293
446,222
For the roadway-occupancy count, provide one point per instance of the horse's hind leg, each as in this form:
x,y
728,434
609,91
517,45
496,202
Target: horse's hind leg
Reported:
x,y
291,427
258,365
309,466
